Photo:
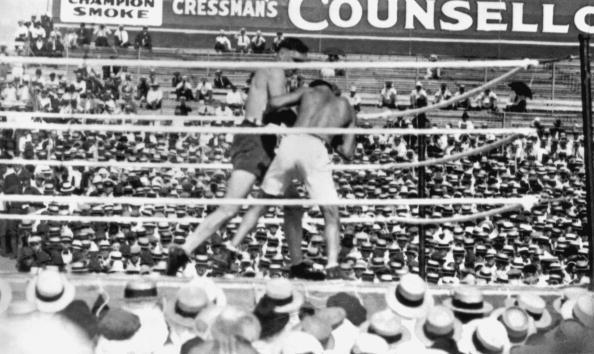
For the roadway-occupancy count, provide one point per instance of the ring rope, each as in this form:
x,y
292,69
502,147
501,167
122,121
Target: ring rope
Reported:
x,y
251,65
18,116
270,129
318,221
415,111
227,166
527,201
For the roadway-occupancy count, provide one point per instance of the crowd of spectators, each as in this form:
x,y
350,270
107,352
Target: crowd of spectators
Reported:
x,y
546,245
487,100
38,37
201,318
243,43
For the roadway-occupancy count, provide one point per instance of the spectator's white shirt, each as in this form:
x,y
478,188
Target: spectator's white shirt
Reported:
x,y
258,40
388,93
234,98
24,95
52,84
154,95
400,148
442,95
80,86
243,40
102,32
44,102
354,100
9,94
224,41
327,72
204,87
183,85
36,32
18,71
122,35
415,95
465,125
22,32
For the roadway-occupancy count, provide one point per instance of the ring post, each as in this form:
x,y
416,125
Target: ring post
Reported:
x,y
421,187
587,126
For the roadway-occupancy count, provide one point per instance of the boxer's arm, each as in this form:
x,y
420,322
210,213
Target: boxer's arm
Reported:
x,y
290,99
347,148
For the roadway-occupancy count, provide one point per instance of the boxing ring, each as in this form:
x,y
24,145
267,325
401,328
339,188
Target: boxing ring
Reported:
x,y
315,292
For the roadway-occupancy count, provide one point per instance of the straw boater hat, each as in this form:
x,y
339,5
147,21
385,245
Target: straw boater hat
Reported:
x,y
50,291
567,295
5,295
388,326
468,300
580,309
518,324
409,298
189,301
300,342
536,307
281,291
439,323
485,335
367,343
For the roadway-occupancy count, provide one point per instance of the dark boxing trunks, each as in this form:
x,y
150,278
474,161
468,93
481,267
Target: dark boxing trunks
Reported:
x,y
254,153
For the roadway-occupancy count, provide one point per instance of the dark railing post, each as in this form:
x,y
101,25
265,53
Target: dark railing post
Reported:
x,y
587,126
421,187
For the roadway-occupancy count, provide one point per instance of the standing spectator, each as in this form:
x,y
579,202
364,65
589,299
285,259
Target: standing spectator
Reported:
x,y
143,40
486,100
184,88
53,46
120,38
258,43
101,33
388,96
154,97
142,89
221,81
71,39
222,43
277,40
83,36
243,41
355,99
465,103
53,83
204,90
182,109
9,94
417,93
433,73
234,99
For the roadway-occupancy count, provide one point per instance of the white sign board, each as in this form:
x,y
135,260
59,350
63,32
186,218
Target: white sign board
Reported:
x,y
113,12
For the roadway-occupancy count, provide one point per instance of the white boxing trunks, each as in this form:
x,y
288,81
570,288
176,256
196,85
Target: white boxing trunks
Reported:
x,y
302,157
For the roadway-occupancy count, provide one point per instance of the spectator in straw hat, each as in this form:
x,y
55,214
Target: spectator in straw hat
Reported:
x,y
484,336
367,343
536,308
468,304
50,290
409,298
388,326
439,325
354,98
518,324
300,342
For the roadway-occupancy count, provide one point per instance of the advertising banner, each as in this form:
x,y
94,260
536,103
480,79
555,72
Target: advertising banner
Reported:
x,y
113,12
504,27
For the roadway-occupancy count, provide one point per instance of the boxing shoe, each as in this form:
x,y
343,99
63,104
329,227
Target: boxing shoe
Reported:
x,y
177,259
304,271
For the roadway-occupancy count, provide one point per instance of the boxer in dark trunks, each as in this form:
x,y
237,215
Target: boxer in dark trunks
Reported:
x,y
250,155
